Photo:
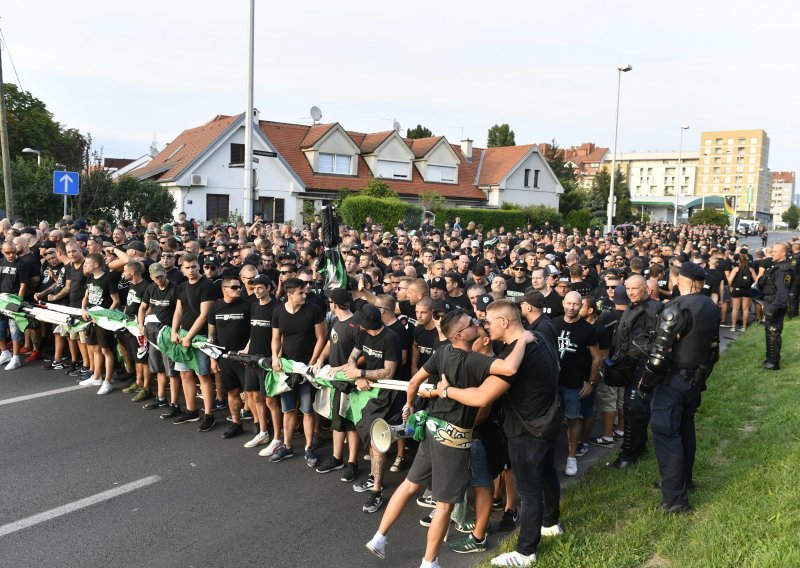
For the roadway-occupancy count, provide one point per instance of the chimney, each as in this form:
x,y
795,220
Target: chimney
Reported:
x,y
256,116
466,149
154,146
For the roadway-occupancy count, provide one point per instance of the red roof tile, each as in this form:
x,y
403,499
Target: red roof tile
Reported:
x,y
373,140
421,146
315,133
497,162
786,177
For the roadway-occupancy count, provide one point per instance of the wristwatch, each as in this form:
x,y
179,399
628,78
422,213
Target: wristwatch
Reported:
x,y
443,394
363,373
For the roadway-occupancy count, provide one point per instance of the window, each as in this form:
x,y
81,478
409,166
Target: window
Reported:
x,y
392,170
334,164
535,178
443,174
237,154
217,206
527,182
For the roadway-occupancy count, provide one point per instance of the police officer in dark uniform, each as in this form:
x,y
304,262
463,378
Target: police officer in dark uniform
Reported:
x,y
684,351
631,348
775,285
794,291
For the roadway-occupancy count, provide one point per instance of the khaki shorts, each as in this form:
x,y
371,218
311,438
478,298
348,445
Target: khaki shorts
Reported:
x,y
610,399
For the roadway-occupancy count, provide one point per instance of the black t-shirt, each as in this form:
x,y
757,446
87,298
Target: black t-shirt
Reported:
x,y
514,289
99,290
161,302
426,340
231,322
574,340
175,275
134,297
603,336
463,370
33,268
77,287
544,325
12,274
711,285
297,330
50,275
461,301
410,312
581,287
261,328
191,297
343,336
553,306
377,349
533,387
403,372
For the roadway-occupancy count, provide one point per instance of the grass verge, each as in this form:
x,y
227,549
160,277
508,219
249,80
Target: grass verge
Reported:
x,y
747,469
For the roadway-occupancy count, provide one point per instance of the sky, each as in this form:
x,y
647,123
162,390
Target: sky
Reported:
x,y
124,70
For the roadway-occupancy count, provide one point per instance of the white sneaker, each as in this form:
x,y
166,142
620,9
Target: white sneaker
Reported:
x,y
377,547
269,450
572,467
259,440
555,530
106,388
434,564
15,363
90,382
513,558
5,357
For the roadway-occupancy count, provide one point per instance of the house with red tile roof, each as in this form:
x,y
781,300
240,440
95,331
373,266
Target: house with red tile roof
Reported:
x,y
298,163
586,160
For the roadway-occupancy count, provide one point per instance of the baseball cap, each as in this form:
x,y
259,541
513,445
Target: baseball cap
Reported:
x,y
368,317
483,301
621,296
340,297
263,280
532,297
82,237
167,227
692,271
136,245
157,270
438,282
520,264
441,306
212,260
552,270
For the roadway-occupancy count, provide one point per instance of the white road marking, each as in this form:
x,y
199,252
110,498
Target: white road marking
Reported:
x,y
40,394
77,505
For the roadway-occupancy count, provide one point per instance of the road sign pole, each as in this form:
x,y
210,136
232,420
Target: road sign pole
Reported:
x,y
65,206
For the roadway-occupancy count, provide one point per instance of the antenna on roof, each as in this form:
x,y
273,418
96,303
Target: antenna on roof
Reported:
x,y
396,125
315,113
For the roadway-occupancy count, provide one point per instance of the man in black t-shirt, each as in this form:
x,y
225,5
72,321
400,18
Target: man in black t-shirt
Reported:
x,y
13,280
552,301
519,281
102,293
298,334
229,326
137,286
195,298
426,336
530,306
532,389
580,365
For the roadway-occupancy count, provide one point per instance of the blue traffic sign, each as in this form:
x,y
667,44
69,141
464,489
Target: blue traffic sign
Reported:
x,y
66,183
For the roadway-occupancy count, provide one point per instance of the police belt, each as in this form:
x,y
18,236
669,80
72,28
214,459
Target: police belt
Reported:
x,y
440,430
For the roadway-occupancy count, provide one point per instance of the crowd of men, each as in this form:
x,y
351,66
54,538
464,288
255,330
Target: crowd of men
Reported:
x,y
506,326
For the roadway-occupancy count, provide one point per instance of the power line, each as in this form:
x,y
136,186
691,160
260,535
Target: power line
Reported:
x,y
14,67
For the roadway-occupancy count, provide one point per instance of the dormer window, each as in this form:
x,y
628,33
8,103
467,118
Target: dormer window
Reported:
x,y
334,164
441,174
389,169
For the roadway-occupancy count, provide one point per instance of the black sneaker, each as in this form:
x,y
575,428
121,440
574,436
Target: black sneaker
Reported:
x,y
374,502
426,501
187,416
57,366
365,485
426,520
71,367
156,403
232,432
509,521
208,423
350,472
602,441
219,405
173,412
497,504
78,371
330,464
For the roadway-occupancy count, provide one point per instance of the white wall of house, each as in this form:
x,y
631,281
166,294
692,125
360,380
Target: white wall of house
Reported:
x,y
541,189
273,179
391,160
337,142
443,163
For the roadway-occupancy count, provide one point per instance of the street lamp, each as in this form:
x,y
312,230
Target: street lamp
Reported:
x,y
678,185
32,151
610,208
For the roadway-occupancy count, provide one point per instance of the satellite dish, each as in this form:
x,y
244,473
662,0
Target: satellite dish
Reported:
x,y
396,125
316,114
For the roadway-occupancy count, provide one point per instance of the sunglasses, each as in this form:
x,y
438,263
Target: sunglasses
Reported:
x,y
209,266
234,287
517,268
167,256
287,272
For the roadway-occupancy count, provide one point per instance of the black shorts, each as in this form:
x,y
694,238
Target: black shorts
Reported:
x,y
387,405
338,422
253,379
96,335
232,375
132,346
442,468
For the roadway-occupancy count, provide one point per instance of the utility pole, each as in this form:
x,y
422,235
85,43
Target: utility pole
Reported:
x,y
4,143
247,208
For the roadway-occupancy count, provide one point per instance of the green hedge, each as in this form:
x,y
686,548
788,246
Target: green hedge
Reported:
x,y
489,218
385,211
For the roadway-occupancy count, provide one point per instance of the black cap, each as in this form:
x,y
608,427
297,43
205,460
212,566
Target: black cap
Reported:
x,y
441,306
692,271
340,297
520,264
621,296
264,280
136,245
483,302
368,317
253,259
532,297
212,260
438,282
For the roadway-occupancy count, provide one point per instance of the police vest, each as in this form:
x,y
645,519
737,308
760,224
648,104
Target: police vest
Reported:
x,y
635,326
694,346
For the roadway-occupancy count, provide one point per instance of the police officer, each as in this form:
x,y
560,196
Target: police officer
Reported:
x,y
631,347
794,291
684,351
775,285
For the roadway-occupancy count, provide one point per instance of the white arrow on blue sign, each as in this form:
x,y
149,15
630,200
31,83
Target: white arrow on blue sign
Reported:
x,y
66,183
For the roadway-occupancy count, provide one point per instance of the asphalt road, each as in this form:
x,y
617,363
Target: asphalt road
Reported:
x,y
203,501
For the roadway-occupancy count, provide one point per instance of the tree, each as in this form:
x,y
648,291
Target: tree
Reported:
x,y
579,219
574,198
377,188
792,216
431,201
418,132
146,198
500,135
599,197
33,198
555,159
713,217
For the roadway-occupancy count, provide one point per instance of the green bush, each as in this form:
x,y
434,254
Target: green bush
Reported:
x,y
709,217
539,214
489,218
579,219
385,211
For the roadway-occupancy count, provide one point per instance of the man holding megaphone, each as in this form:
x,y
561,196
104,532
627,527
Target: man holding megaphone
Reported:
x,y
442,461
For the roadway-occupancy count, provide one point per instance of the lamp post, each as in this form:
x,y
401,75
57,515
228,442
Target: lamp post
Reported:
x,y
36,152
247,206
610,208
678,184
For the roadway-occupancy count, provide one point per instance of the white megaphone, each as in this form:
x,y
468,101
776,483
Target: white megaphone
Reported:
x,y
383,434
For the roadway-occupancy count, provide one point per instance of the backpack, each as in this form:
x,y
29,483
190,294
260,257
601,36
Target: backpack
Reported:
x,y
743,279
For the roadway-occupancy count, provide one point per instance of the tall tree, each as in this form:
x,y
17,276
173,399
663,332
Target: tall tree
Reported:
x,y
555,159
599,196
418,132
500,135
